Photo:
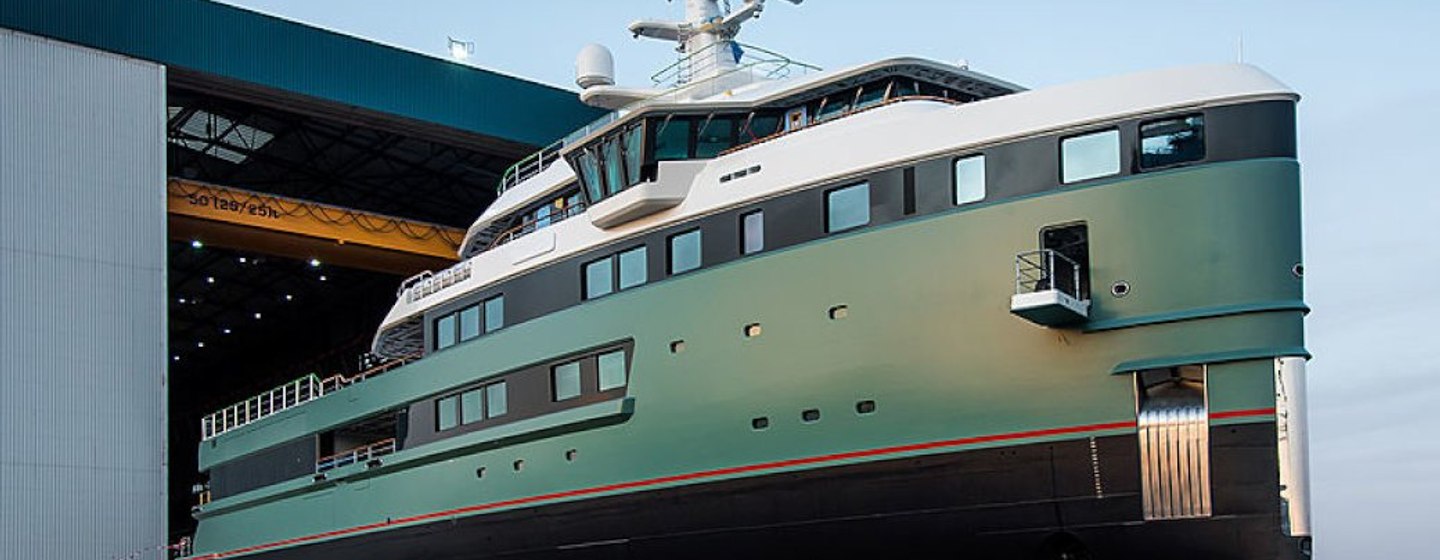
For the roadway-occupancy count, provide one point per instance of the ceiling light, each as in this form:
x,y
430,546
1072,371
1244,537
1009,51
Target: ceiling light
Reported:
x,y
225,330
257,314
175,358
323,278
315,263
242,260
209,279
196,244
289,297
182,300
200,344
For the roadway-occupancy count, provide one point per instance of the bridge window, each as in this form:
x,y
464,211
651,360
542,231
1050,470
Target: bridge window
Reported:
x,y
758,126
847,208
1089,156
614,171
565,381
685,252
716,135
590,174
672,139
969,179
633,267
752,232
1172,141
634,152
612,370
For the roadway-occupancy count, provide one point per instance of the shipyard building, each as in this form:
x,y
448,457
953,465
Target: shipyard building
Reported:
x,y
198,203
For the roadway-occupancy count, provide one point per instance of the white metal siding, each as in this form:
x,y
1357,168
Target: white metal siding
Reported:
x,y
82,300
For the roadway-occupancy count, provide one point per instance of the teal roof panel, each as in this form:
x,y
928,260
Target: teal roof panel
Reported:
x,y
239,44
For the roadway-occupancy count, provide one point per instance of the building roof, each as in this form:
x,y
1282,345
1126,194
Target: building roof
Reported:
x,y
239,45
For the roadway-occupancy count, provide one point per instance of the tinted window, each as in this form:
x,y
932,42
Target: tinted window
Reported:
x,y
445,332
969,179
599,279
847,208
496,400
632,268
672,139
715,136
634,138
494,313
590,174
759,126
470,404
612,370
1090,156
834,105
614,170
566,381
447,413
1172,141
685,252
752,232
469,322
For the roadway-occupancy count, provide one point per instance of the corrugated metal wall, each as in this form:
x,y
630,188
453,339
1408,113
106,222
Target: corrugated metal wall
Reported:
x,y
82,302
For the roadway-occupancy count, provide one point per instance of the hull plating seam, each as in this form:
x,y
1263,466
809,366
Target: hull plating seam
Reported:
x,y
714,473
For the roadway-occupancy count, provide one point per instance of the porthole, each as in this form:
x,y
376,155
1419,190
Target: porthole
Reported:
x,y
480,472
518,465
571,454
1120,289
677,346
839,312
865,407
1298,270
810,415
760,423
752,330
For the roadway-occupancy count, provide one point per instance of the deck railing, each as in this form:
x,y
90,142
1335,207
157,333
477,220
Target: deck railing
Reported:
x,y
357,455
1046,269
284,397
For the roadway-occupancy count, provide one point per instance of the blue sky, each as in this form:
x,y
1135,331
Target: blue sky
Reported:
x,y
1368,74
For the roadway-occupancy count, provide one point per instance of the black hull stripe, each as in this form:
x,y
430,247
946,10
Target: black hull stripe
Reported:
x,y
715,473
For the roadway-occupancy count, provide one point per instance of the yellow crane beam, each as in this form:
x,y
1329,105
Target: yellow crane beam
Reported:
x,y
275,225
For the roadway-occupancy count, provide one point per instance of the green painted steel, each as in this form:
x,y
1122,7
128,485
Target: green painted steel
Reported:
x,y
928,336
238,44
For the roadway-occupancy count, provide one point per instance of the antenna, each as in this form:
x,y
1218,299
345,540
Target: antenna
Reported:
x,y
1240,47
706,36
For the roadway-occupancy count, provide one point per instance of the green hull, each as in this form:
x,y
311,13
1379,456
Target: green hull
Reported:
x,y
1208,253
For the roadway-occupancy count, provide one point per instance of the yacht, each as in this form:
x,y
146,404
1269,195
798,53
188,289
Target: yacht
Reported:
x,y
903,309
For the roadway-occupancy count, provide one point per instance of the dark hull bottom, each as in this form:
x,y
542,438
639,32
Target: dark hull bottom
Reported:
x,y
1045,500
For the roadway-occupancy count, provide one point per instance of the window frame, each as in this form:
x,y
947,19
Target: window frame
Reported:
x,y
555,380
744,232
955,178
829,206
670,251
1119,154
585,277
1140,142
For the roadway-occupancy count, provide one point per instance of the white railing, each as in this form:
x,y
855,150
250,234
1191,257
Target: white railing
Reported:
x,y
287,396
357,455
1046,269
302,390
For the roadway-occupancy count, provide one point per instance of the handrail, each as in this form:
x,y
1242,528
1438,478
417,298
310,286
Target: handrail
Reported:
x,y
1035,271
528,225
680,72
838,116
356,455
284,397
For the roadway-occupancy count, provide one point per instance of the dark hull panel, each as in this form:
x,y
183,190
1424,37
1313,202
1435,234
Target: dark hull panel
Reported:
x,y
1073,499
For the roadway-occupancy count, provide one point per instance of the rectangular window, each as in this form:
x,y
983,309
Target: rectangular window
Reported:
x,y
1172,141
715,136
599,278
752,232
614,169
495,400
494,313
612,370
633,268
672,139
470,322
847,208
470,407
565,379
590,174
447,412
445,332
1089,156
685,252
969,179
634,149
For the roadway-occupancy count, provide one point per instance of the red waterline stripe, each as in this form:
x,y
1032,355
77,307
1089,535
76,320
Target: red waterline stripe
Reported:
x,y
959,442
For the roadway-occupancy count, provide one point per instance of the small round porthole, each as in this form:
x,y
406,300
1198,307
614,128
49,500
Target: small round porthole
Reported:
x,y
1298,270
570,455
752,330
677,346
839,312
518,465
1120,288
